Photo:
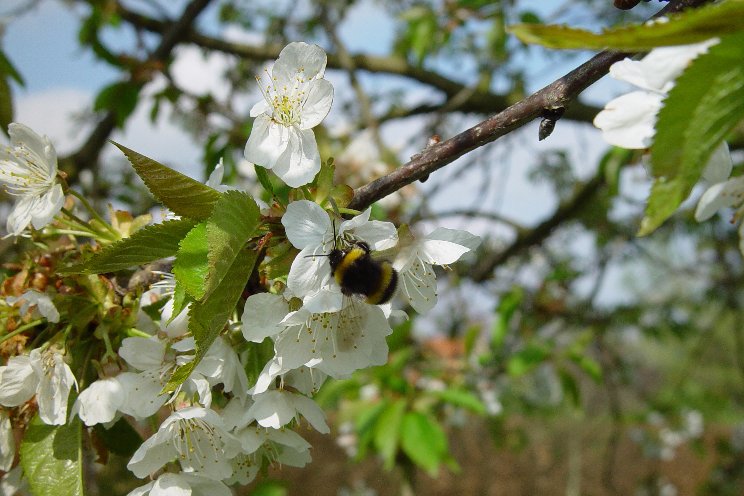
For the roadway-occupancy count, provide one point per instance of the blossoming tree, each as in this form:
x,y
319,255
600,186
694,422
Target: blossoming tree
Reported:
x,y
204,345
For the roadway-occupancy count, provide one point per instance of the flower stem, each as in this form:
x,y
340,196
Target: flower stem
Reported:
x,y
94,213
24,327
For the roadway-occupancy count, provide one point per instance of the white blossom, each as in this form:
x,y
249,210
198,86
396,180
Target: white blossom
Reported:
x,y
296,98
416,279
182,484
727,194
44,374
196,437
7,442
336,343
28,170
628,121
276,408
41,302
100,401
282,446
309,228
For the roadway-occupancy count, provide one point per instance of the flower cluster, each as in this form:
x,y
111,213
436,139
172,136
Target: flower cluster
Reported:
x,y
312,322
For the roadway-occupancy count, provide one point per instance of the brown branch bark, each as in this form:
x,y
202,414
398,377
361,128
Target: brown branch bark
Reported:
x,y
560,93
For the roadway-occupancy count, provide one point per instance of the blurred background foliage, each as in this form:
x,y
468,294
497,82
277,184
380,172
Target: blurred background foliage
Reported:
x,y
568,356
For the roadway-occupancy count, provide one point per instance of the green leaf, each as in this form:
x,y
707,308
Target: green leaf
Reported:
x,y
688,27
263,178
51,456
6,104
120,438
527,359
706,103
120,98
143,246
387,431
233,221
462,398
207,318
424,441
507,306
192,262
7,67
180,193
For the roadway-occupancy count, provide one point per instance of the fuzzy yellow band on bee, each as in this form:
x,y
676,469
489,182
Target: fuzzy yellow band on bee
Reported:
x,y
386,285
347,261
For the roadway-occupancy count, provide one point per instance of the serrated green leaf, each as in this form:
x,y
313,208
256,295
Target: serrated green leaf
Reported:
x,y
180,193
706,103
6,105
324,181
143,246
424,441
120,439
462,398
51,456
207,318
192,265
387,431
687,27
234,220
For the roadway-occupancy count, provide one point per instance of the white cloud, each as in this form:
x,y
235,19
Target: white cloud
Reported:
x,y
56,113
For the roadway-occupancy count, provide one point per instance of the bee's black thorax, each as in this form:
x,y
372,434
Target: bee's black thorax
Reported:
x,y
358,273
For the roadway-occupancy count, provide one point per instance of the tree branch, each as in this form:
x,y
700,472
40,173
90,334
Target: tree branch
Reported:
x,y
557,94
539,233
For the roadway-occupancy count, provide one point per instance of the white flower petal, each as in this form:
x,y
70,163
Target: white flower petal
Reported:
x,y
99,402
326,299
312,412
464,238
142,393
261,107
53,390
17,381
628,120
308,273
658,70
719,165
317,104
143,353
300,161
262,316
306,224
267,142
47,206
20,216
7,442
438,252
299,57
418,284
379,235
719,196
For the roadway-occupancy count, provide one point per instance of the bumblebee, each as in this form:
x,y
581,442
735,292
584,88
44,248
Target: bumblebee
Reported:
x,y
358,273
